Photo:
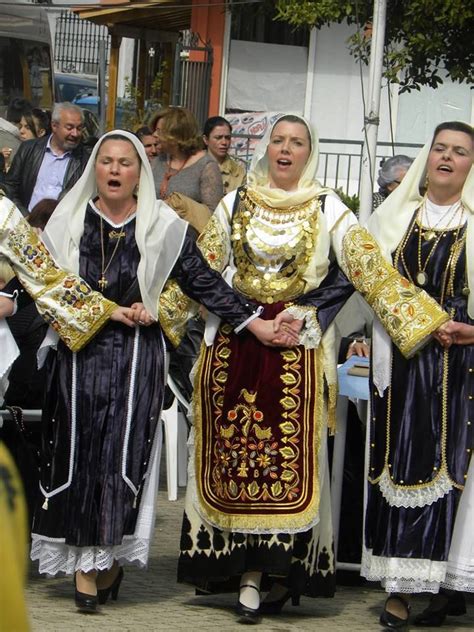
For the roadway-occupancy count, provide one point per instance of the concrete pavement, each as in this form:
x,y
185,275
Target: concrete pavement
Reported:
x,y
152,600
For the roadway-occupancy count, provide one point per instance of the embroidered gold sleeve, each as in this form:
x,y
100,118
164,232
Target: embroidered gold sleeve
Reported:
x,y
214,244
175,307
65,301
408,314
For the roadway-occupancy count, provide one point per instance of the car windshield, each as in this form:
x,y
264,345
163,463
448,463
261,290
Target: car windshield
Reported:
x,y
68,88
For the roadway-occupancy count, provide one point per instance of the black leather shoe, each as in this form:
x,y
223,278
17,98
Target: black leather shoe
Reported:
x,y
85,603
441,605
113,589
276,606
390,620
246,614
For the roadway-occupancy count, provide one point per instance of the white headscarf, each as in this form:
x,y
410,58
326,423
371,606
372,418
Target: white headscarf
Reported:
x,y
308,186
159,232
391,219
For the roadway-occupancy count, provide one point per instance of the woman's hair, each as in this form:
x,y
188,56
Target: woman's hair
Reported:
x,y
455,126
292,118
28,116
179,127
17,108
37,120
41,212
143,131
390,170
42,120
213,122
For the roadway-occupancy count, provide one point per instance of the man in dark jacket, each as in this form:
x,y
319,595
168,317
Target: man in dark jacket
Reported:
x,y
45,167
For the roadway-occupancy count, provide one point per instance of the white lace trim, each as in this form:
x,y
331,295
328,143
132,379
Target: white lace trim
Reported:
x,y
398,496
403,575
55,556
381,357
58,557
459,580
311,334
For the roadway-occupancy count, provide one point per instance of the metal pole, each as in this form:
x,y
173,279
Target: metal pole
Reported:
x,y
371,116
310,74
176,94
101,86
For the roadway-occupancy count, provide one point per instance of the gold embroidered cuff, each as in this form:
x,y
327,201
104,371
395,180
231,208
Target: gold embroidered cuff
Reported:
x,y
73,309
64,300
408,314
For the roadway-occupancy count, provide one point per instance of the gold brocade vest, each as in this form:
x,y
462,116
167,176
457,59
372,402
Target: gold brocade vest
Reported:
x,y
272,247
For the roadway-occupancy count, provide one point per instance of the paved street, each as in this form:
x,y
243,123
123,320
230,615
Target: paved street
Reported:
x,y
152,600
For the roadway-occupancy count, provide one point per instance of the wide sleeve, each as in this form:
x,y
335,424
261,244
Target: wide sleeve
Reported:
x,y
211,185
408,314
176,307
63,299
205,285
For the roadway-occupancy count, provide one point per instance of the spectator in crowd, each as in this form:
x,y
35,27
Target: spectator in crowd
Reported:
x,y
217,135
149,141
34,124
9,132
190,182
185,175
391,173
47,166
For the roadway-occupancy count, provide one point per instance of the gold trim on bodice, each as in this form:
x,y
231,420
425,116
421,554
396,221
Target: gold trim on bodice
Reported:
x,y
272,247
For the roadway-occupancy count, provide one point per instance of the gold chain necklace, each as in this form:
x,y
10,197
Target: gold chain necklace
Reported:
x,y
421,275
430,234
102,283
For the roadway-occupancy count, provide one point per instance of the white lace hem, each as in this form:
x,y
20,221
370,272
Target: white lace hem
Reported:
x,y
400,496
460,580
311,334
403,575
56,557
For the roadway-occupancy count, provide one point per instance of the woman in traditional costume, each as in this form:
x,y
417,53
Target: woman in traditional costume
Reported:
x,y
420,435
101,431
257,503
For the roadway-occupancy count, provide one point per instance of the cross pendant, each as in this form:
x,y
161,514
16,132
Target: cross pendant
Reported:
x,y
102,283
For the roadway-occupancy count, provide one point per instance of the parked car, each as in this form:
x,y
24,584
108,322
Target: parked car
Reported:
x,y
91,103
69,87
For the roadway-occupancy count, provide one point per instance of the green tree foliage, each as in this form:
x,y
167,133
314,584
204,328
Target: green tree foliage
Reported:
x,y
422,38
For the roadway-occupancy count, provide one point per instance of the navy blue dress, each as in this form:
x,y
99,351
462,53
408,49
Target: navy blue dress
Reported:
x,y
421,431
103,403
